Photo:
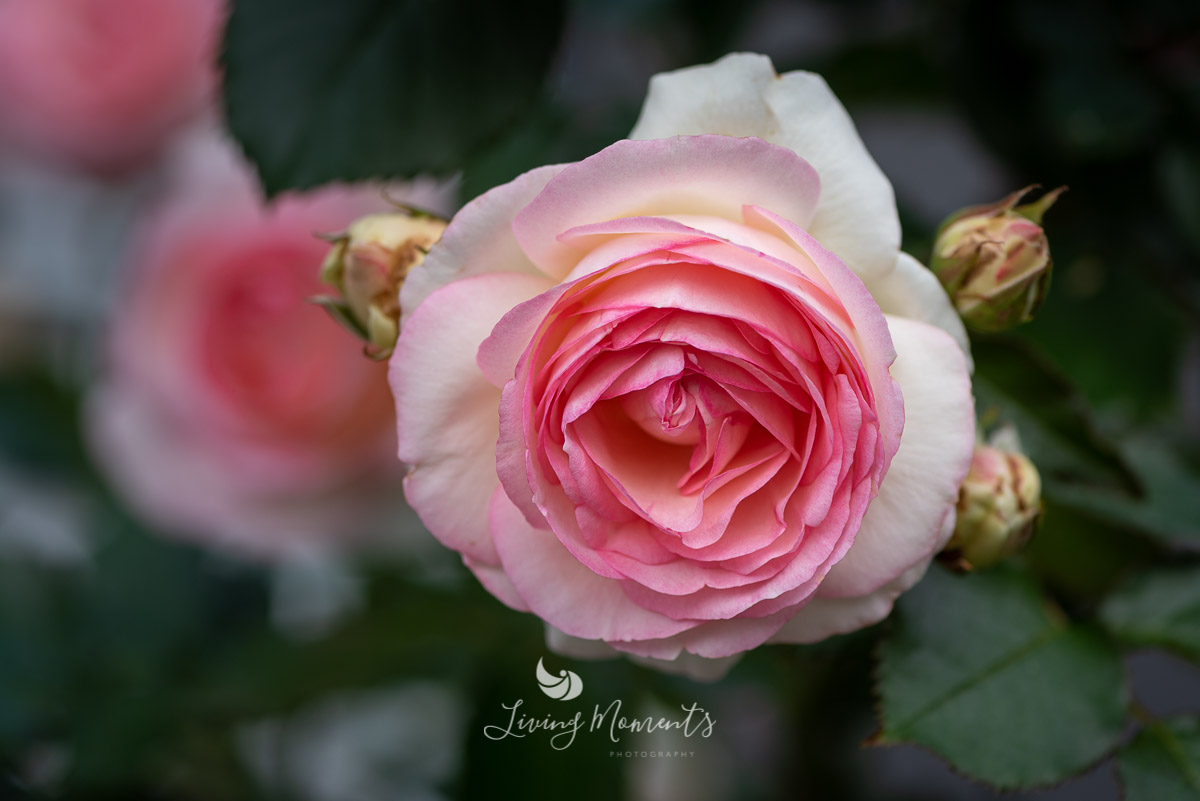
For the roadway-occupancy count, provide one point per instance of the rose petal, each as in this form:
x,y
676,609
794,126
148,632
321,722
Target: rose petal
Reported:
x,y
825,617
447,411
873,334
712,175
496,581
716,639
479,240
564,593
912,290
903,524
741,95
697,668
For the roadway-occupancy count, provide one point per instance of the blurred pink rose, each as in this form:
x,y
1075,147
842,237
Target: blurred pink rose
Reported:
x,y
233,409
100,83
686,397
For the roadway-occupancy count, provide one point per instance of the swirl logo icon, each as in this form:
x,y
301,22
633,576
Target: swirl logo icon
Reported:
x,y
565,686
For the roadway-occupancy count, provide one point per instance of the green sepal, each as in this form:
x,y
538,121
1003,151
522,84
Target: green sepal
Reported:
x,y
342,314
333,263
1036,210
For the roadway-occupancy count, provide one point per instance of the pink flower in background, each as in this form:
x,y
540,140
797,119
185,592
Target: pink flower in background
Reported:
x,y
686,397
233,409
101,83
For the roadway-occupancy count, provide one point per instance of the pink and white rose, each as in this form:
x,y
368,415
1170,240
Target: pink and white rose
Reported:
x,y
233,411
686,396
101,83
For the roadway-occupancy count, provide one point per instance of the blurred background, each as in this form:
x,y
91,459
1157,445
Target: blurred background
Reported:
x,y
210,587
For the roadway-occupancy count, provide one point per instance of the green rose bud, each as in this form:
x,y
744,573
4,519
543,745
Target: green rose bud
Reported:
x,y
368,264
999,506
994,261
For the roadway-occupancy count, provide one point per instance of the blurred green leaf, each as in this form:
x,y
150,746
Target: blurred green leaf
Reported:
x,y
543,138
132,569
39,424
1051,416
1170,507
1163,762
318,91
552,134
1179,182
411,631
1101,277
1082,556
35,656
1159,608
983,672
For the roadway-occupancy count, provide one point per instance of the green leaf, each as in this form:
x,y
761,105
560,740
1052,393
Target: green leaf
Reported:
x,y
1163,762
1159,608
1053,420
1170,507
318,91
983,672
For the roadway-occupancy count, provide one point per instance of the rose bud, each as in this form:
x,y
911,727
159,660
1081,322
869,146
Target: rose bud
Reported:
x,y
999,506
994,261
368,264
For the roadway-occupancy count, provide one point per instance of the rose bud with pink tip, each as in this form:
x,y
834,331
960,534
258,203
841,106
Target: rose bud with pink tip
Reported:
x,y
994,261
999,506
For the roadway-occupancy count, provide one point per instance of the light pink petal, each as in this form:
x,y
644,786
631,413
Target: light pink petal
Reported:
x,y
793,581
710,175
564,593
728,289
478,240
496,581
716,639
603,245
577,648
697,668
502,348
904,523
874,335
825,617
513,455
447,411
620,239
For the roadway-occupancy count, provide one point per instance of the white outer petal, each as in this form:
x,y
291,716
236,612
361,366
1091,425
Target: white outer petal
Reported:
x,y
478,240
741,95
905,523
825,617
913,291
